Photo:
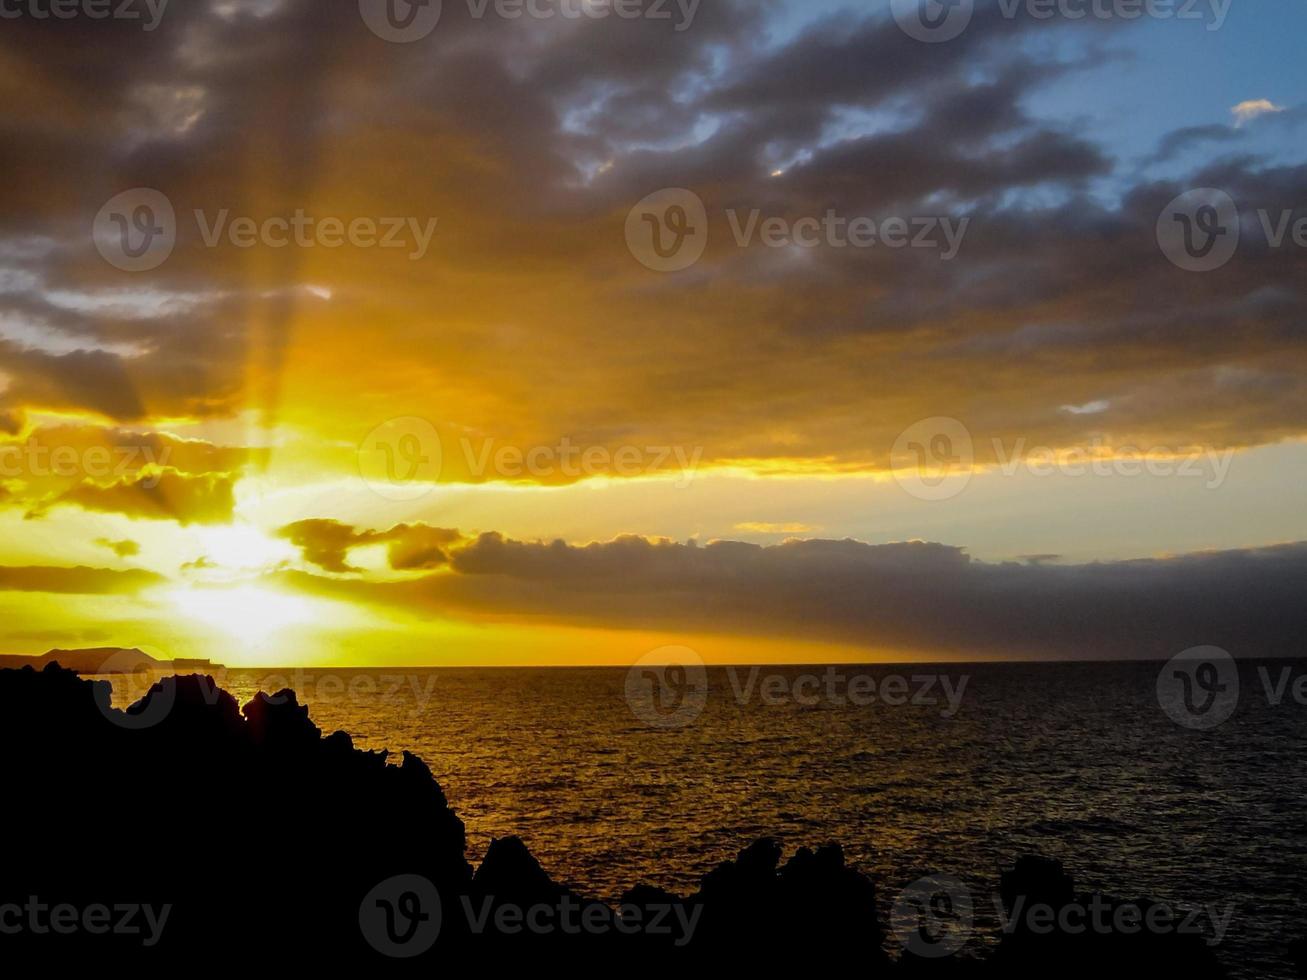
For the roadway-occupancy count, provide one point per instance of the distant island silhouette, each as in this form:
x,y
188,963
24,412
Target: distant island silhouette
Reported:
x,y
272,847
106,661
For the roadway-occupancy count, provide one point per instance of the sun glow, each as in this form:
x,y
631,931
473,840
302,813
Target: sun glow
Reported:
x,y
249,613
242,547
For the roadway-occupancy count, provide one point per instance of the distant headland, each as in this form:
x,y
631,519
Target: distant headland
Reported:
x,y
107,660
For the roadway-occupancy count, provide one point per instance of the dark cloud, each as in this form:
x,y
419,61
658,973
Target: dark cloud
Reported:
x,y
530,142
324,543
87,380
123,549
410,547
415,547
11,423
144,474
1186,138
167,495
1179,140
911,598
77,581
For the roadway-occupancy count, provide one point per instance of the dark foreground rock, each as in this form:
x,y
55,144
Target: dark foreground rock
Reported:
x,y
244,838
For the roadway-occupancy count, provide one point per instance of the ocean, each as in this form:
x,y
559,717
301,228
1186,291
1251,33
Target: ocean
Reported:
x,y
916,770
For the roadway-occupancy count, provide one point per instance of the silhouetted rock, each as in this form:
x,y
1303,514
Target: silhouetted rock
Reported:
x,y
262,836
1298,953
755,900
1052,929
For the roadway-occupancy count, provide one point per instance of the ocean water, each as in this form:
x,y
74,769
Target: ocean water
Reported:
x,y
1075,761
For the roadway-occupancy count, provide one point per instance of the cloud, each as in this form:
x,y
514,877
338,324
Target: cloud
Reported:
x,y
243,113
139,473
411,547
11,423
1090,408
1179,140
76,581
1245,112
417,547
167,495
123,549
913,598
324,543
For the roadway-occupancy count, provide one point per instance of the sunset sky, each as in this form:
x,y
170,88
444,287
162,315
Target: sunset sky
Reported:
x,y
509,440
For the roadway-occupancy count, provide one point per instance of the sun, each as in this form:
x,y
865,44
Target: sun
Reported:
x,y
242,547
249,613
